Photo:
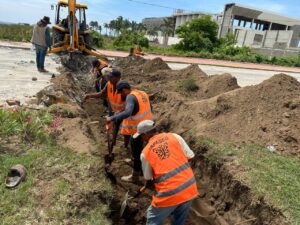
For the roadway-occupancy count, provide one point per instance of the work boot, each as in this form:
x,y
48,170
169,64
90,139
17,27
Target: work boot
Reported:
x,y
43,70
133,178
39,69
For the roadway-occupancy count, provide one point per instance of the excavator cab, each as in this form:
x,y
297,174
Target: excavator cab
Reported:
x,y
71,37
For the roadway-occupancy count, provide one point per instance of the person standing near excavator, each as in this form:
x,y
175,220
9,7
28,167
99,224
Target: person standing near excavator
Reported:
x,y
42,41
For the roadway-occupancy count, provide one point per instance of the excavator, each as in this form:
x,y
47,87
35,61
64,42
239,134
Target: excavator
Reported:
x,y
71,38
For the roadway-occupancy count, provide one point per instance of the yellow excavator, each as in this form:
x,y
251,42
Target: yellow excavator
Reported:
x,y
71,38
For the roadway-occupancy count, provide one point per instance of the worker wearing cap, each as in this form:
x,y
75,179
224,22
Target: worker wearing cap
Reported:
x,y
99,70
165,162
116,102
137,109
42,41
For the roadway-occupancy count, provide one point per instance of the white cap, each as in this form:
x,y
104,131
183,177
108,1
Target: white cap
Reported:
x,y
105,71
143,127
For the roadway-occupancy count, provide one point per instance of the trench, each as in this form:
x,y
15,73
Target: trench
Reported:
x,y
223,200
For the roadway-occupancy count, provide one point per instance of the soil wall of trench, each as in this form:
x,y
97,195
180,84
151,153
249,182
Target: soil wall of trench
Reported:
x,y
223,199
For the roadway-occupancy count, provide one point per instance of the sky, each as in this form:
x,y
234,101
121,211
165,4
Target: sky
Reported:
x,y
30,11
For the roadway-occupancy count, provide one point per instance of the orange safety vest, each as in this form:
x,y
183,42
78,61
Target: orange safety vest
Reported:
x,y
173,177
114,98
129,125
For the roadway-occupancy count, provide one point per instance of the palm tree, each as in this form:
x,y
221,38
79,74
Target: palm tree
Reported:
x,y
106,26
168,29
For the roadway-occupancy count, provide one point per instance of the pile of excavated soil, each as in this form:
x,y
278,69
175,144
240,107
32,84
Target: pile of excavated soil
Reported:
x,y
154,65
265,114
158,76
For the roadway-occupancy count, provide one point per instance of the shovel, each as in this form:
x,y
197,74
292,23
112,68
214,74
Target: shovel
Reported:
x,y
110,156
127,198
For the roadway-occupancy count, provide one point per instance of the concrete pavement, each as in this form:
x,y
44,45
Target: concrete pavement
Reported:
x,y
175,59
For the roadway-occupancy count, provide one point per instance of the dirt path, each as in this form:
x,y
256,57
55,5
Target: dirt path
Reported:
x,y
17,68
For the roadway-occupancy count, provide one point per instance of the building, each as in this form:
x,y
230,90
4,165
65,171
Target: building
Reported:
x,y
266,32
261,30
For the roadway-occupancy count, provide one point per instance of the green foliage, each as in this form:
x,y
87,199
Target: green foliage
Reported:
x,y
59,182
198,35
28,125
15,32
128,38
98,40
188,86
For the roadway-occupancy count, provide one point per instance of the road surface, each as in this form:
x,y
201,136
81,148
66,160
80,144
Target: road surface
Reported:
x,y
17,67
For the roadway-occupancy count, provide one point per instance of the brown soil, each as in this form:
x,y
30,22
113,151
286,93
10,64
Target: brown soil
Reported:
x,y
264,114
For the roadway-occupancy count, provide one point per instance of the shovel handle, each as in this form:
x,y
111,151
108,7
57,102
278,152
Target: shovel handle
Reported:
x,y
142,190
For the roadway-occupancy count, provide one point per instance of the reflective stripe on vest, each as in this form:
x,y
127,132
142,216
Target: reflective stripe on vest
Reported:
x,y
114,98
172,173
173,177
176,190
129,125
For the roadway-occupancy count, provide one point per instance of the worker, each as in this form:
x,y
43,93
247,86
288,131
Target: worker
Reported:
x,y
100,81
136,51
42,41
116,102
165,163
137,109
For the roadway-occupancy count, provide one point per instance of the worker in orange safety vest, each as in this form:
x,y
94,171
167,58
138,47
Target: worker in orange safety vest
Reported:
x,y
165,163
116,102
137,109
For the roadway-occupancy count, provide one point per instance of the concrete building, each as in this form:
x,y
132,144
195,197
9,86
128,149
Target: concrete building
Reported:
x,y
264,31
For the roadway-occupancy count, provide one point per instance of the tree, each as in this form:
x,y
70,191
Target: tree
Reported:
x,y
94,25
153,32
198,35
106,26
167,28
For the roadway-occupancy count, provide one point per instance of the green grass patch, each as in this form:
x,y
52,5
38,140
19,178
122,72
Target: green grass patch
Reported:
x,y
273,176
14,32
62,186
188,86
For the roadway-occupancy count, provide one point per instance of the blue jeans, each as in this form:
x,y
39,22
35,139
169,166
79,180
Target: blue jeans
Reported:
x,y
40,56
156,216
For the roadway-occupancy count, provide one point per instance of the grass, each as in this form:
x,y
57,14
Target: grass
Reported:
x,y
188,86
62,186
15,32
273,176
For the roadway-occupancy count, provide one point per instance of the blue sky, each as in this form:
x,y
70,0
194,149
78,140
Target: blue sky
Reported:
x,y
29,11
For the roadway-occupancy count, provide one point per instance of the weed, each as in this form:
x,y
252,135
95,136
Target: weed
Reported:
x,y
188,86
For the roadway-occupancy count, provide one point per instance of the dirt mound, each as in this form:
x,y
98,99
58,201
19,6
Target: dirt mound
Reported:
x,y
154,65
265,114
192,70
215,85
66,88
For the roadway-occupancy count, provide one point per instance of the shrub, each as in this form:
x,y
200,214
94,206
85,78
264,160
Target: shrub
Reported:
x,y
188,86
128,38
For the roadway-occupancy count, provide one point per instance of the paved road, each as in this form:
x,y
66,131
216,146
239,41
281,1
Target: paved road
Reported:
x,y
17,67
245,77
179,59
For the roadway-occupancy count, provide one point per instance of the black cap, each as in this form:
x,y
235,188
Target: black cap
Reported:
x,y
122,84
95,63
46,20
114,73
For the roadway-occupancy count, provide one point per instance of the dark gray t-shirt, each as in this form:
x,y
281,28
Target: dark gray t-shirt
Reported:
x,y
132,108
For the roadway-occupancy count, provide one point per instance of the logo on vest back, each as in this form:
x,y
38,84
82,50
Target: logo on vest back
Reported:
x,y
161,148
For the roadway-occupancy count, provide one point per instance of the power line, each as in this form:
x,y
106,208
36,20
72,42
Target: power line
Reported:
x,y
151,4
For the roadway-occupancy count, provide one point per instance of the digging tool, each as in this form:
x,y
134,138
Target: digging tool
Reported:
x,y
110,156
127,198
